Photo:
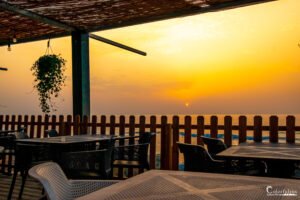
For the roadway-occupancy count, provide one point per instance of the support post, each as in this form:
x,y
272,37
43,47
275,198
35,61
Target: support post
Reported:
x,y
81,73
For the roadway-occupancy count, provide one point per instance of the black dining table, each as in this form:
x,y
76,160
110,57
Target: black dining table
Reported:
x,y
60,144
280,158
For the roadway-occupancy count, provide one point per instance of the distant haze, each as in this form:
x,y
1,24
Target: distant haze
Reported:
x,y
238,61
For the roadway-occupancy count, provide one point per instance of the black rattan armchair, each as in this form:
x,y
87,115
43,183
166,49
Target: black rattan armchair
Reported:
x,y
51,133
132,152
196,158
94,164
214,145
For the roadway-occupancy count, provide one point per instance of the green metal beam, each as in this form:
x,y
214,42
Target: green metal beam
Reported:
x,y
81,73
3,69
116,44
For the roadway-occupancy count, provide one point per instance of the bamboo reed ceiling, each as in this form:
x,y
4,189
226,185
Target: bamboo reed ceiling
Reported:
x,y
30,20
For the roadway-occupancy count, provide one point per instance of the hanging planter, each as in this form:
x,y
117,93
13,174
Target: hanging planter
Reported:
x,y
49,79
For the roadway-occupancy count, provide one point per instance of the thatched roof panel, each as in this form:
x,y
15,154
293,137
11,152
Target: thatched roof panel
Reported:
x,y
32,19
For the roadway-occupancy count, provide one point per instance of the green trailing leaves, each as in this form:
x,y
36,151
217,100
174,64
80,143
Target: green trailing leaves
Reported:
x,y
49,79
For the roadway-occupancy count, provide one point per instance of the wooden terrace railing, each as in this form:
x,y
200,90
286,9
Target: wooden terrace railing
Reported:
x,y
169,130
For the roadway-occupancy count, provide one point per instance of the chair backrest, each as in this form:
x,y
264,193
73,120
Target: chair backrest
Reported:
x,y
95,164
146,137
214,146
53,179
7,141
135,150
27,155
196,158
51,133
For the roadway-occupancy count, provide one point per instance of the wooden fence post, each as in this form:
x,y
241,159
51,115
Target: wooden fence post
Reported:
x,y
242,129
6,122
13,122
228,130
131,125
39,127
200,129
153,143
26,123
188,129
290,129
53,122
46,125
273,129
175,133
76,124
163,140
142,124
257,129
122,126
214,127
84,129
68,125
19,122
94,125
61,125
32,125
112,125
103,125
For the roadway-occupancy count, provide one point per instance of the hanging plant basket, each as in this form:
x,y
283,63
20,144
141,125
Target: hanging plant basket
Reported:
x,y
49,79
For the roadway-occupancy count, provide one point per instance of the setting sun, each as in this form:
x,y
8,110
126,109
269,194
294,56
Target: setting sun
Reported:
x,y
237,61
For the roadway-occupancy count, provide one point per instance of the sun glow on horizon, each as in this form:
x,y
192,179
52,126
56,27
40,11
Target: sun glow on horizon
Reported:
x,y
237,60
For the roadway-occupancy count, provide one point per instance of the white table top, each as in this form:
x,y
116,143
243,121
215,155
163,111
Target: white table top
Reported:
x,y
278,151
156,184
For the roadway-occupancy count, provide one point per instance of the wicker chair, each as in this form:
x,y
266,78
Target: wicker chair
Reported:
x,y
58,187
131,153
196,158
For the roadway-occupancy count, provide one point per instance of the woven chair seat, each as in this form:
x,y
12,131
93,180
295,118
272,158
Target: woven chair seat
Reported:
x,y
57,186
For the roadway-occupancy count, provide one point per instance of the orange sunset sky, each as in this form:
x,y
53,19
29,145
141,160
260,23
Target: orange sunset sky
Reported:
x,y
238,61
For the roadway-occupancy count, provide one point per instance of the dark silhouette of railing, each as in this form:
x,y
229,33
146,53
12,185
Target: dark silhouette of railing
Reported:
x,y
169,130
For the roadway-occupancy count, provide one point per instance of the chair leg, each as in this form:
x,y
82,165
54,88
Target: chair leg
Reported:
x,y
24,177
9,168
12,185
2,163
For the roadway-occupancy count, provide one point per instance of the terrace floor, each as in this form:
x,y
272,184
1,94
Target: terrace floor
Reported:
x,y
32,190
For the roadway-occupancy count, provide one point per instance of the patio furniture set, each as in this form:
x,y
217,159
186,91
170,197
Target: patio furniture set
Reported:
x,y
80,156
81,166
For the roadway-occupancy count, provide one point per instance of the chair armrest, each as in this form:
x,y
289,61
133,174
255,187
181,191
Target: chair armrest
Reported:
x,y
83,187
132,145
